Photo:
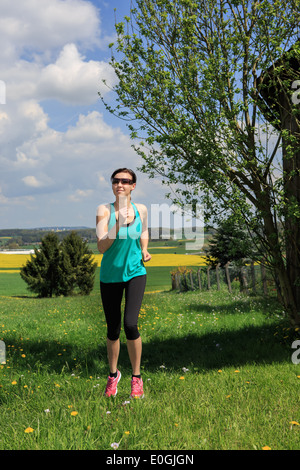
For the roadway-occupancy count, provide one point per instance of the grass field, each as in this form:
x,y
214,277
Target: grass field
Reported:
x,y
217,371
158,269
11,284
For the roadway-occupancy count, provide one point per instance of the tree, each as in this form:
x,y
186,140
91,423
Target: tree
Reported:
x,y
231,243
42,272
60,268
78,265
190,88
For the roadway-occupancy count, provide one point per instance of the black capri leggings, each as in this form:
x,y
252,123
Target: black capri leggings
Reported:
x,y
111,294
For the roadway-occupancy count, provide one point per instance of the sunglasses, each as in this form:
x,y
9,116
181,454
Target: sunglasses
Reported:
x,y
121,180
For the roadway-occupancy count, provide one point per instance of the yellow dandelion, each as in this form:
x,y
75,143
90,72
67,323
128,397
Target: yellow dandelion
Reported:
x,y
29,430
181,378
266,448
14,382
127,433
23,355
74,413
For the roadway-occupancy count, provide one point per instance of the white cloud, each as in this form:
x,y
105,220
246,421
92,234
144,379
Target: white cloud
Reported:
x,y
41,26
91,128
32,182
80,158
72,80
4,122
37,182
80,194
50,176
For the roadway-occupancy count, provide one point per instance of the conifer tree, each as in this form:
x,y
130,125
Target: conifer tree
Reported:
x,y
60,268
42,272
77,266
231,243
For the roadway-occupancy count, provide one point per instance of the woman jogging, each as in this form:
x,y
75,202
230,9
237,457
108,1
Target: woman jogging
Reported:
x,y
122,235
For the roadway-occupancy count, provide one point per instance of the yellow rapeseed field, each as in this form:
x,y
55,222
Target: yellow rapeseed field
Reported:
x,y
18,260
13,260
171,259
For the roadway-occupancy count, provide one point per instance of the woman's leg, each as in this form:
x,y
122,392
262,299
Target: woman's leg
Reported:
x,y
113,350
111,295
134,348
134,292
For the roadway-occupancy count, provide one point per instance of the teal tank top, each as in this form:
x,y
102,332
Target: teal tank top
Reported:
x,y
123,260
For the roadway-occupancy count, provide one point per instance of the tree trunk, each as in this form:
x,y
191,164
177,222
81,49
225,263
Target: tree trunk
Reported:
x,y
284,272
208,277
218,276
228,277
244,279
264,279
253,278
291,171
199,278
191,280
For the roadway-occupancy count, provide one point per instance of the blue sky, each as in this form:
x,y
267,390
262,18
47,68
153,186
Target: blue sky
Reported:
x,y
58,143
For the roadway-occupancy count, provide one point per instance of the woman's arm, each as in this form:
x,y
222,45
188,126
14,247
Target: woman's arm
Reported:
x,y
145,234
104,238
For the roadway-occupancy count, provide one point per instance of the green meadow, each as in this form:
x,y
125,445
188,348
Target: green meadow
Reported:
x,y
217,373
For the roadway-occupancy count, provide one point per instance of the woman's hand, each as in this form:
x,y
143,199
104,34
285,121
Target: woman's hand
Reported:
x,y
123,215
146,256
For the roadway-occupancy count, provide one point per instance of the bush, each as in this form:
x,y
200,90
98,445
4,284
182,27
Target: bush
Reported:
x,y
60,268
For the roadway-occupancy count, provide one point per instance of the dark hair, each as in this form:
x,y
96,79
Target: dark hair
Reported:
x,y
125,170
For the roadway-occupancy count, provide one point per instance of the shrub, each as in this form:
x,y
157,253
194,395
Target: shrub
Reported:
x,y
60,268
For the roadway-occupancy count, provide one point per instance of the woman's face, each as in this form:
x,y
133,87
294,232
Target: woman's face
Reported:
x,y
120,189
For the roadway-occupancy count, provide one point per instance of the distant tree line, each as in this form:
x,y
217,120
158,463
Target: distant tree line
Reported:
x,y
32,236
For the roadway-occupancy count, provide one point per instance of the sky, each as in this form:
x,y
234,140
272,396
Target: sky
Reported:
x,y
59,145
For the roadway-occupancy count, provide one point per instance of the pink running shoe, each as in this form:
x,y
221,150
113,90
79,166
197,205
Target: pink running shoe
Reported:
x,y
137,388
111,386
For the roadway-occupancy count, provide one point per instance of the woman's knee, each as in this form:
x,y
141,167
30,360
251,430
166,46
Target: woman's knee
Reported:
x,y
113,332
131,331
